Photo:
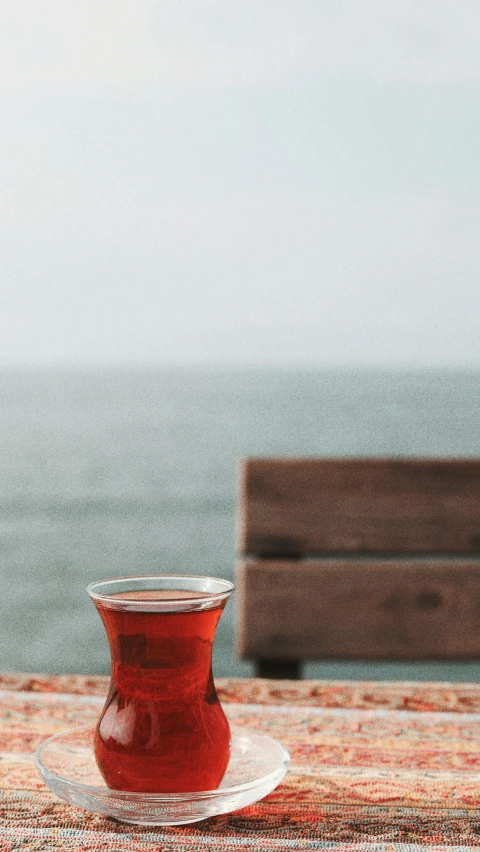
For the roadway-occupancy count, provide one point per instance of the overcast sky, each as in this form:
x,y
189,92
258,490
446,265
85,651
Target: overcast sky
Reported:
x,y
248,181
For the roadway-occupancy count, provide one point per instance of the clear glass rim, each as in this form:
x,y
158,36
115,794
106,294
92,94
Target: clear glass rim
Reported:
x,y
215,591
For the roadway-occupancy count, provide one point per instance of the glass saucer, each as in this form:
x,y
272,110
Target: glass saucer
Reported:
x,y
66,763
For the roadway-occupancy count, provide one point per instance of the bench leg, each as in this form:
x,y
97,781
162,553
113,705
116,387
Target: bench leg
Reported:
x,y
288,669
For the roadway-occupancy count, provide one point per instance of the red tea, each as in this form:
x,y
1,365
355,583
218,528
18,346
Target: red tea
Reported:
x,y
162,729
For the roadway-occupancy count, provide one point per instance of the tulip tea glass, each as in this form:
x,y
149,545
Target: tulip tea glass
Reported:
x,y
162,729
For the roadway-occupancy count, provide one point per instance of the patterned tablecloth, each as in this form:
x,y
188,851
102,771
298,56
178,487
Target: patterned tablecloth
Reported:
x,y
374,766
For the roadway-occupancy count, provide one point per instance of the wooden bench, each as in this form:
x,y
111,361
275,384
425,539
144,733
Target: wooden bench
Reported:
x,y
372,559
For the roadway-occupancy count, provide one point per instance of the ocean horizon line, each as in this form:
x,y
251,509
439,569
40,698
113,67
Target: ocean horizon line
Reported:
x,y
64,365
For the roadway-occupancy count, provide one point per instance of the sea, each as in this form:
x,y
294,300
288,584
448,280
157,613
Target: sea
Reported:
x,y
124,470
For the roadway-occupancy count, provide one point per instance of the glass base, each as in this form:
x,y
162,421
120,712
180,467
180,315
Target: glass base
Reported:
x,y
66,763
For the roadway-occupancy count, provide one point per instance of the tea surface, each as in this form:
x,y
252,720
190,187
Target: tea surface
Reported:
x,y
158,595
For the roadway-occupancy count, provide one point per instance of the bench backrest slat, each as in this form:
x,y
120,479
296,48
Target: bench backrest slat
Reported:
x,y
298,506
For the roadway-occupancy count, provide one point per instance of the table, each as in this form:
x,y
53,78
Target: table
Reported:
x,y
375,766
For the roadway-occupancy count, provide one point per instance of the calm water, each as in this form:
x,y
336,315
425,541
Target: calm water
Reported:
x,y
121,471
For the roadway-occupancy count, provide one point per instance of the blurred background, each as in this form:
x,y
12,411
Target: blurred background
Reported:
x,y
226,229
